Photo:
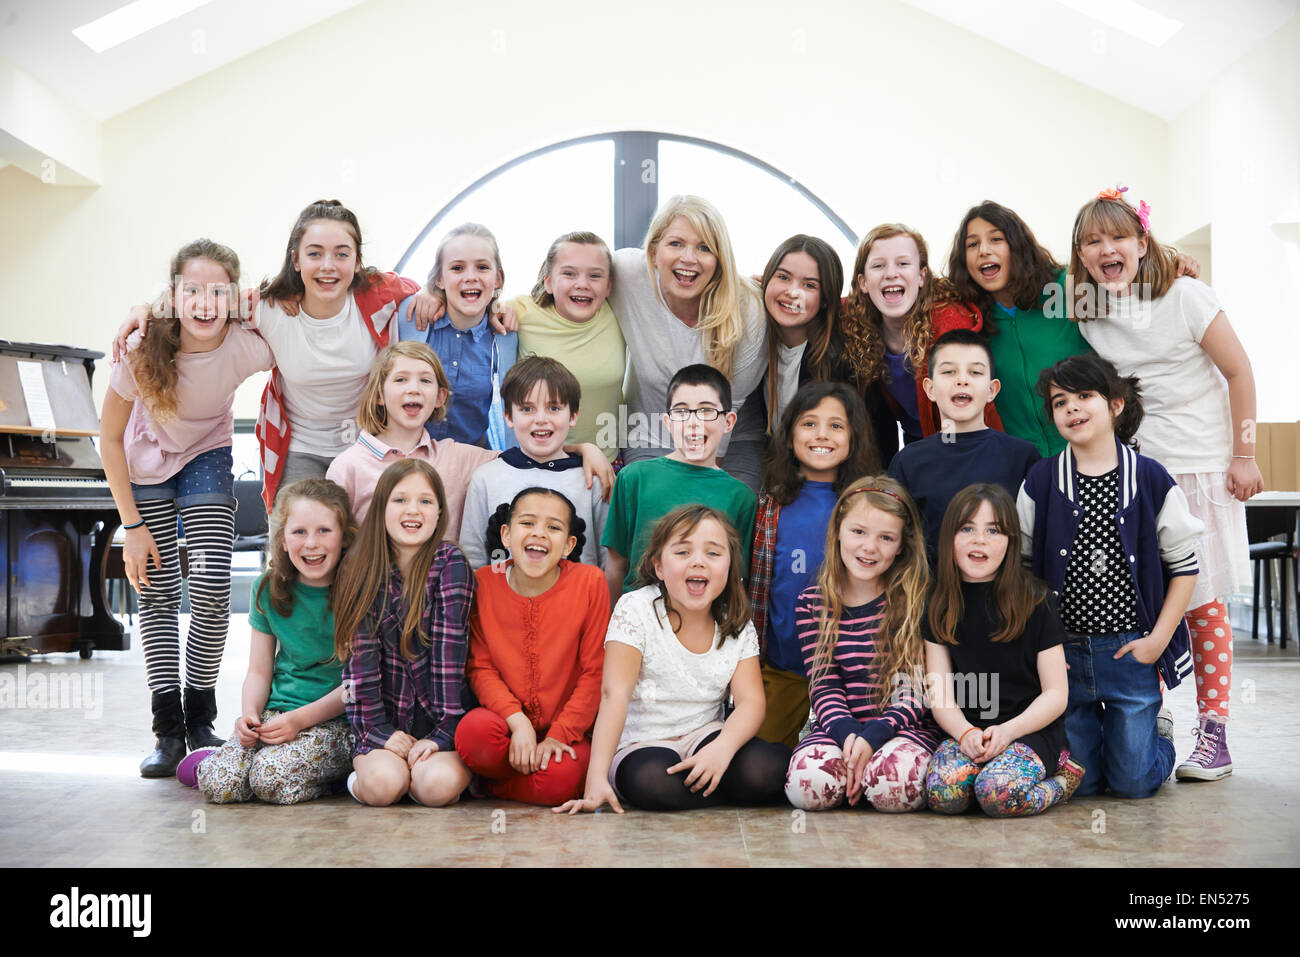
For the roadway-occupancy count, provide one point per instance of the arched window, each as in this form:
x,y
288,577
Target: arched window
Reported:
x,y
611,183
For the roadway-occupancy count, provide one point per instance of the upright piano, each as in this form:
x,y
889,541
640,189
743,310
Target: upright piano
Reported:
x,y
57,516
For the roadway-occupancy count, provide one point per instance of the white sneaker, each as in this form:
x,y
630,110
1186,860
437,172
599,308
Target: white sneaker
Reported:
x,y
352,780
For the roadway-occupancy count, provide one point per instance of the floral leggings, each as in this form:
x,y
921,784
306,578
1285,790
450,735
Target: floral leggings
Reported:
x,y
279,773
1011,785
895,780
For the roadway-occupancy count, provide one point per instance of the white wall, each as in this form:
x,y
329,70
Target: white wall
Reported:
x,y
395,105
1235,166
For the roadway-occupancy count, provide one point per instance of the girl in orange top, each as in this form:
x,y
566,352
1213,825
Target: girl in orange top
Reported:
x,y
537,648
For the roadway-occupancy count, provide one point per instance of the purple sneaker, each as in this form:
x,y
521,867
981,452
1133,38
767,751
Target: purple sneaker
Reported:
x,y
1210,760
187,772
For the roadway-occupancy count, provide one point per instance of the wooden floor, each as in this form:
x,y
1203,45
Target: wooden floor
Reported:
x,y
80,756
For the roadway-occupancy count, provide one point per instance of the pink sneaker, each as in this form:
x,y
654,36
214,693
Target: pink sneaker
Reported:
x,y
187,772
1210,760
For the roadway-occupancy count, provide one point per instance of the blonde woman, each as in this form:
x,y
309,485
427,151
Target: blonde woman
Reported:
x,y
682,301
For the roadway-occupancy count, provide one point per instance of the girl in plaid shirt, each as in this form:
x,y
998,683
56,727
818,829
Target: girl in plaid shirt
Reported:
x,y
401,628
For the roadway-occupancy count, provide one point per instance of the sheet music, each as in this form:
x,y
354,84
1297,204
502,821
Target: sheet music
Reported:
x,y
39,411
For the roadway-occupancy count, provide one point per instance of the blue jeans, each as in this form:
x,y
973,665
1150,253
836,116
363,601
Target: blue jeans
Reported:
x,y
1111,718
206,479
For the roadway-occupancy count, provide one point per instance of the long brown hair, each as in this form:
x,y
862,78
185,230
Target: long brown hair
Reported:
x,y
1157,269
1017,592
287,283
280,571
822,329
1032,268
153,362
731,608
784,478
863,323
900,649
369,564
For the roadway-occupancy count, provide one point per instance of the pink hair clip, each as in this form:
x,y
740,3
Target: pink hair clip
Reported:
x,y
1144,216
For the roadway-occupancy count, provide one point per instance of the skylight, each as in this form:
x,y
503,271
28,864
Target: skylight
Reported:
x,y
126,23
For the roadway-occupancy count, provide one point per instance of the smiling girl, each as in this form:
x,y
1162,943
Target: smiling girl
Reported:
x,y
861,631
801,287
291,740
1018,287
401,629
894,312
1199,396
568,318
325,315
537,635
991,633
467,275
166,433
821,445
676,649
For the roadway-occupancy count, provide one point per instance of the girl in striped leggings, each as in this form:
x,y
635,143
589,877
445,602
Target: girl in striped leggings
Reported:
x,y
166,432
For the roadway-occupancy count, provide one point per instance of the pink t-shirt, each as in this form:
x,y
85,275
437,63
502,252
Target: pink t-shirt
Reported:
x,y
358,469
205,397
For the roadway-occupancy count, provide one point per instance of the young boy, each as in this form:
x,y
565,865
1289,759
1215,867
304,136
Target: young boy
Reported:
x,y
541,399
699,415
961,383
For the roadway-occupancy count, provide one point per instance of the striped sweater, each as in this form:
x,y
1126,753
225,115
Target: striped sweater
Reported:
x,y
843,698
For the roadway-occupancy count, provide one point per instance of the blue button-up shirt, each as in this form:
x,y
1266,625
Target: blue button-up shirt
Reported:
x,y
466,356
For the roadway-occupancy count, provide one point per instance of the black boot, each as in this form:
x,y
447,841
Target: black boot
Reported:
x,y
169,726
200,712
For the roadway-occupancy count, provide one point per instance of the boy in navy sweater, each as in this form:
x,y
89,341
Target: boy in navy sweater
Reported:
x,y
960,381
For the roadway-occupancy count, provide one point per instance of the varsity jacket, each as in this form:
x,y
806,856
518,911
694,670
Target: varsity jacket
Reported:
x,y
1156,531
376,303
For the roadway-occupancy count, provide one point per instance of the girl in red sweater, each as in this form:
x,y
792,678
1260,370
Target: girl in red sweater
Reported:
x,y
537,649
895,310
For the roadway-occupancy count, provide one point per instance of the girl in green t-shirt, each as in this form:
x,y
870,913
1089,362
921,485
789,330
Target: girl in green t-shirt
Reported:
x,y
291,741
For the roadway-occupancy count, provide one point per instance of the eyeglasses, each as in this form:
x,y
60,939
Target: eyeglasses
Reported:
x,y
705,413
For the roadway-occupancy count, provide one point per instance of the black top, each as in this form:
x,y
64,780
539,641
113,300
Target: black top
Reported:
x,y
998,681
1098,596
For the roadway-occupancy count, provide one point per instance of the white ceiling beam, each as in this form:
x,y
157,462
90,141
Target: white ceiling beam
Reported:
x,y
43,134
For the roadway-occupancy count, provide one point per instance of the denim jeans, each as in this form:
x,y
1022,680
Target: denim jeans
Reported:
x,y
1111,718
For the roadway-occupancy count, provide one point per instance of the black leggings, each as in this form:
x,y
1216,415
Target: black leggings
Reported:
x,y
756,775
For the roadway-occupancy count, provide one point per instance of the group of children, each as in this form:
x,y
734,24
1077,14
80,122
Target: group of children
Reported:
x,y
457,597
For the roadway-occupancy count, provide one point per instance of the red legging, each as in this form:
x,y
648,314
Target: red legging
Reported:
x,y
483,743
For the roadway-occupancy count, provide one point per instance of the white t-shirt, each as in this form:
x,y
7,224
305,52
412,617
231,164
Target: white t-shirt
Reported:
x,y
658,344
677,691
325,364
1188,423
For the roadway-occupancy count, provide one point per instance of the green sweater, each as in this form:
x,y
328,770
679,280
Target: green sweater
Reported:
x,y
1026,342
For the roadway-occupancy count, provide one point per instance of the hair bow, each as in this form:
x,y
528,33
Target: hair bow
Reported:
x,y
1143,210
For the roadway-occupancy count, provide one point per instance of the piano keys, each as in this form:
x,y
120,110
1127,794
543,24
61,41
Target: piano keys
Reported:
x,y
57,516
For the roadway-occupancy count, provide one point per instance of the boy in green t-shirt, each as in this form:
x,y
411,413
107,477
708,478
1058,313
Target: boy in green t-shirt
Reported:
x,y
699,415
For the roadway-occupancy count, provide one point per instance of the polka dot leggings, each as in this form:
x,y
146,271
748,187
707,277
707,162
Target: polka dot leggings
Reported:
x,y
1211,656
